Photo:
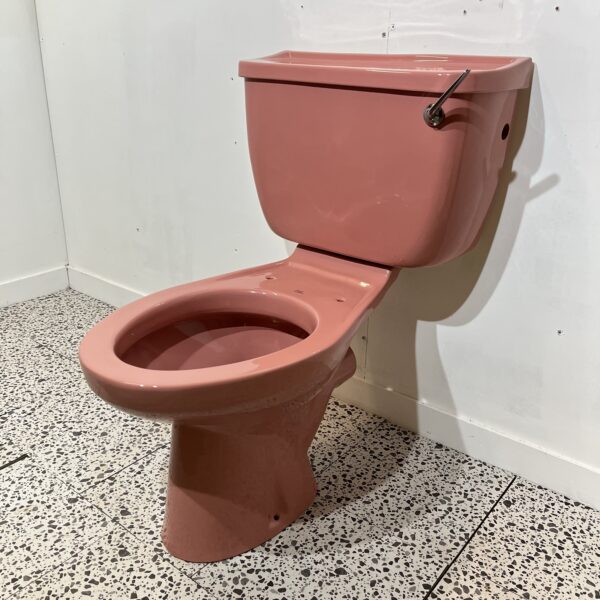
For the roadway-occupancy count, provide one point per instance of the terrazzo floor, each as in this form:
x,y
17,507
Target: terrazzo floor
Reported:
x,y
397,516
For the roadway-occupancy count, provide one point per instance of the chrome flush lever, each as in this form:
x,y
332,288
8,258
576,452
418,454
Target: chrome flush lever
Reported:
x,y
434,114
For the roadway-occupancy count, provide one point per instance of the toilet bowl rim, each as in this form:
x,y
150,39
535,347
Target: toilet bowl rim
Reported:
x,y
99,357
337,289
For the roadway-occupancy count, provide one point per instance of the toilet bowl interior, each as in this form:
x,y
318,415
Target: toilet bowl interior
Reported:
x,y
209,329
212,339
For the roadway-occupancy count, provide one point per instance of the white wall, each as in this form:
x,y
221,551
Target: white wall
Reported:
x,y
506,338
156,185
32,246
149,130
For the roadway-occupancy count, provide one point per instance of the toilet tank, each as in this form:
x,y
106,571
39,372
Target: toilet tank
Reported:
x,y
343,160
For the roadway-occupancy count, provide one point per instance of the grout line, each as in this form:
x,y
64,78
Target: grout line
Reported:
x,y
137,460
48,572
15,460
164,554
350,449
46,346
489,512
81,493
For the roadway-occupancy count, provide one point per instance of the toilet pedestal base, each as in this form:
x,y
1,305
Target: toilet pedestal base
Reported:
x,y
228,493
235,484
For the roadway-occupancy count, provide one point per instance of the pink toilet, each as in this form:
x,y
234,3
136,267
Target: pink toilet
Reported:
x,y
370,163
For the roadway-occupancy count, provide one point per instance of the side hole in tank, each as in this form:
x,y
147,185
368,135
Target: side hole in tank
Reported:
x,y
275,517
505,131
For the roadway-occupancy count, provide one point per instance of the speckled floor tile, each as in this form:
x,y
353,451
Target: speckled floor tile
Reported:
x,y
83,452
343,426
69,430
258,575
392,511
65,308
29,373
8,452
116,566
467,583
363,567
389,516
536,544
135,498
61,320
51,413
395,511
43,523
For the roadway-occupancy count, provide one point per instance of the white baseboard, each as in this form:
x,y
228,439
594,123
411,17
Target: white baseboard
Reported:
x,y
542,466
108,291
32,286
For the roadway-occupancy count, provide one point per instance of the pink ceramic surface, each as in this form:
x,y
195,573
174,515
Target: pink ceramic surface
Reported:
x,y
350,166
290,324
243,364
240,480
431,73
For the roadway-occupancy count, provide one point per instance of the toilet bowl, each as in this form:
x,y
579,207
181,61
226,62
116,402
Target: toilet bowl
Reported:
x,y
243,364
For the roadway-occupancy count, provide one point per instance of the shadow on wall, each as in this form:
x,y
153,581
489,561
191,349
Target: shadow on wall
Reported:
x,y
456,292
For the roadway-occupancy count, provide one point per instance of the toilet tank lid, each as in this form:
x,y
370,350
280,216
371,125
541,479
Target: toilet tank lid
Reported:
x,y
411,72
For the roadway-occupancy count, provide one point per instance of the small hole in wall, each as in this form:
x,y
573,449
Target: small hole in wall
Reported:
x,y
465,12
340,299
299,291
505,131
557,8
275,517
269,277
